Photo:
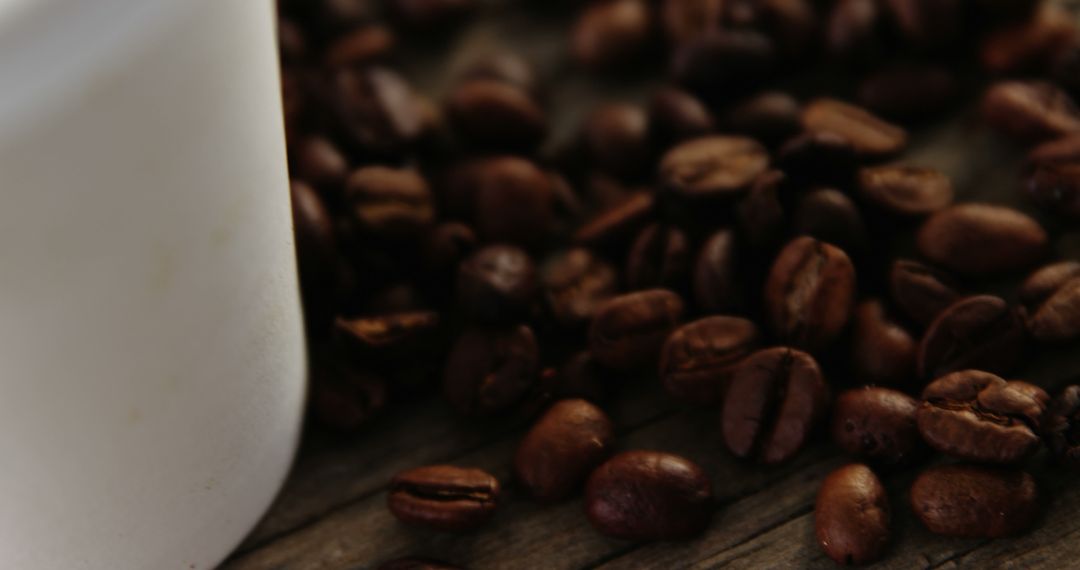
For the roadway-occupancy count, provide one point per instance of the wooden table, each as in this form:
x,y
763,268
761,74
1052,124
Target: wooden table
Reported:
x,y
332,513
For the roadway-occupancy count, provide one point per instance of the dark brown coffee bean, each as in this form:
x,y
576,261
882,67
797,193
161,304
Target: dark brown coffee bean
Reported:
x,y
390,336
513,201
870,136
724,63
490,370
978,416
770,117
447,245
576,282
904,190
852,518
713,168
616,137
981,239
611,34
1062,150
853,30
830,216
315,250
318,162
975,502
774,402
1029,44
376,110
1057,318
810,293
1044,282
617,223
343,398
494,114
792,24
497,284
1032,111
366,45
414,563
908,91
981,332
717,277
699,358
292,42
430,15
928,24
659,257
760,214
817,157
1061,425
920,290
686,19
628,331
648,495
882,352
443,497
1055,187
562,448
877,424
504,66
389,203
675,116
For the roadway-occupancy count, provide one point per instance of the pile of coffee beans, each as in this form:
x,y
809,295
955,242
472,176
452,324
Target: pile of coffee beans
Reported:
x,y
750,243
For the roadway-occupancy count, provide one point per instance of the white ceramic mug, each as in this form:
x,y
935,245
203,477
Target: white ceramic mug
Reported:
x,y
151,347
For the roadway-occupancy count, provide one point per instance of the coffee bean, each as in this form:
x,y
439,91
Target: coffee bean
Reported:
x,y
375,110
792,24
771,117
366,45
760,215
389,203
490,370
1031,111
562,448
774,402
686,19
617,223
1028,44
628,331
1055,187
497,284
430,15
908,91
512,201
981,239
699,358
315,251
975,502
878,425
447,245
852,518
920,290
713,168
717,277
817,157
387,337
616,137
648,495
494,114
292,42
853,30
724,63
1060,427
413,563
830,216
1057,318
928,24
343,398
882,352
611,34
978,416
810,293
576,282
870,136
443,497
1064,150
318,162
504,66
1047,280
904,190
659,257
675,116
981,332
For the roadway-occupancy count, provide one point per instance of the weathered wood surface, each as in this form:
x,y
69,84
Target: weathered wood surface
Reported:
x,y
332,514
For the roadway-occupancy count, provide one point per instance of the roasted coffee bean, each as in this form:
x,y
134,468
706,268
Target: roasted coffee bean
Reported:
x,y
810,293
376,110
292,42
443,497
576,282
390,336
497,284
1029,44
675,116
1056,318
928,24
870,136
649,495
490,370
494,114
685,19
1031,111
366,45
904,190
616,137
817,157
318,162
1044,282
343,398
447,245
760,215
611,34
628,331
1063,150
908,91
713,168
981,332
981,239
975,502
774,402
512,201
771,117
504,66
389,203
314,230
413,563
699,358
878,425
718,280
562,448
920,290
659,257
1055,187
724,63
618,223
792,24
978,416
852,518
830,216
1060,427
853,30
882,352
